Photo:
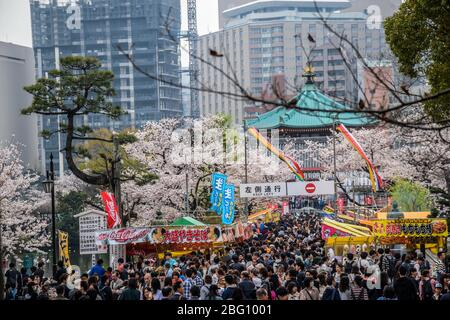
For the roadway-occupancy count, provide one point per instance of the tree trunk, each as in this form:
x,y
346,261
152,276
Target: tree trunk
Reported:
x,y
447,180
2,276
99,180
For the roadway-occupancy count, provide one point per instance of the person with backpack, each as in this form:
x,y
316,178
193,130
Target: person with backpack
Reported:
x,y
265,281
439,266
426,286
105,290
230,287
14,278
213,293
131,292
348,262
391,263
247,286
204,290
310,292
358,292
331,293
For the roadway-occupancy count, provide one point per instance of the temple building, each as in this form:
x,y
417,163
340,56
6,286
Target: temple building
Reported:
x,y
310,115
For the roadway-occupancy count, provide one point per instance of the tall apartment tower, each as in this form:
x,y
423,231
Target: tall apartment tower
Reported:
x,y
17,71
384,8
264,38
97,28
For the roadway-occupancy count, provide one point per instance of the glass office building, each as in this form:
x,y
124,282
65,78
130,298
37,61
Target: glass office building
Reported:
x,y
144,28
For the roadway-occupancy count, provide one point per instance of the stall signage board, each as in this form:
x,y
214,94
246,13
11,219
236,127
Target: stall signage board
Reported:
x,y
263,190
410,228
160,235
116,252
89,223
310,188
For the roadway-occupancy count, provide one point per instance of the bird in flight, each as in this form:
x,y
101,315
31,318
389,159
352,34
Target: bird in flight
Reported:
x,y
214,53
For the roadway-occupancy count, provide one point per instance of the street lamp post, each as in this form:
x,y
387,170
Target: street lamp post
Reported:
x,y
49,187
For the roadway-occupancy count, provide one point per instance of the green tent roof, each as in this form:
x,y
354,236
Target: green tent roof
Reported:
x,y
187,221
299,116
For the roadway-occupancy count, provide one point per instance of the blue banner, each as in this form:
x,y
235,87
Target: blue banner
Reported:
x,y
218,184
228,204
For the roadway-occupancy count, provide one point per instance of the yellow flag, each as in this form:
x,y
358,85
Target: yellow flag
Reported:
x,y
64,248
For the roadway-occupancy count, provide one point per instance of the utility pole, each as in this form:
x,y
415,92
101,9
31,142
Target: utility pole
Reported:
x,y
246,213
187,189
193,61
2,277
334,164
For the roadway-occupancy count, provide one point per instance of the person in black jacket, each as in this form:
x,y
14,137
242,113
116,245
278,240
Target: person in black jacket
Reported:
x,y
61,270
405,289
331,293
247,286
13,277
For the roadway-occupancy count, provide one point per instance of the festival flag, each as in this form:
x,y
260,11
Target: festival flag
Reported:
x,y
63,239
375,178
112,210
228,204
291,163
328,210
218,184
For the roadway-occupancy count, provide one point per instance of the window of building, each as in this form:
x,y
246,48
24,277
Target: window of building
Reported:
x,y
334,52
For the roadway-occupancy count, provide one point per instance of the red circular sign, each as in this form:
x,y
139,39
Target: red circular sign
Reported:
x,y
310,188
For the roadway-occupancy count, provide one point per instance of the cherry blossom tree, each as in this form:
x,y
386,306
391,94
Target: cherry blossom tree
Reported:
x,y
421,156
178,152
378,143
21,228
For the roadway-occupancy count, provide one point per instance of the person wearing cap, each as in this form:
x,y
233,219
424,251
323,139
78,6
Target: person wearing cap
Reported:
x,y
437,292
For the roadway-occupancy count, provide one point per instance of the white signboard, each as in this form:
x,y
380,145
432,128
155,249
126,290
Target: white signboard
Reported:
x,y
90,222
310,188
260,190
116,252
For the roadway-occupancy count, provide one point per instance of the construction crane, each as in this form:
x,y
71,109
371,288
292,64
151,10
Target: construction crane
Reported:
x,y
193,61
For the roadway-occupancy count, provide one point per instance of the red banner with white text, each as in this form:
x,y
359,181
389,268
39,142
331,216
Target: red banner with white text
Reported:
x,y
112,210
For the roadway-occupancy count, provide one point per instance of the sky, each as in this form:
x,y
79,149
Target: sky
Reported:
x,y
15,21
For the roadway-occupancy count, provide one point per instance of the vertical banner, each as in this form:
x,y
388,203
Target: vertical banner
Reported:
x,y
63,239
285,210
218,184
341,205
112,210
228,204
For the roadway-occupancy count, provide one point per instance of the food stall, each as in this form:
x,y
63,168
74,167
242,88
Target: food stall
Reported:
x,y
413,233
185,235
429,233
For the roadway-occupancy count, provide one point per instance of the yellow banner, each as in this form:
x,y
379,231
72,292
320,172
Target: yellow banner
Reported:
x,y
63,238
410,228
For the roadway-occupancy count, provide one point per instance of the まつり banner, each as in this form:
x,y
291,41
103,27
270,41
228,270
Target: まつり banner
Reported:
x,y
410,227
218,184
170,235
160,235
63,239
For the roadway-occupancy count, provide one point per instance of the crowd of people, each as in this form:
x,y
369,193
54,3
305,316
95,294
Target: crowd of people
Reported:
x,y
286,260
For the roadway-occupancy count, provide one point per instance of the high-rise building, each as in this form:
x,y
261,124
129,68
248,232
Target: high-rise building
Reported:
x,y
264,38
17,71
144,28
383,8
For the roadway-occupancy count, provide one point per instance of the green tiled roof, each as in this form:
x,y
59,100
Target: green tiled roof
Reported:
x,y
187,221
299,116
